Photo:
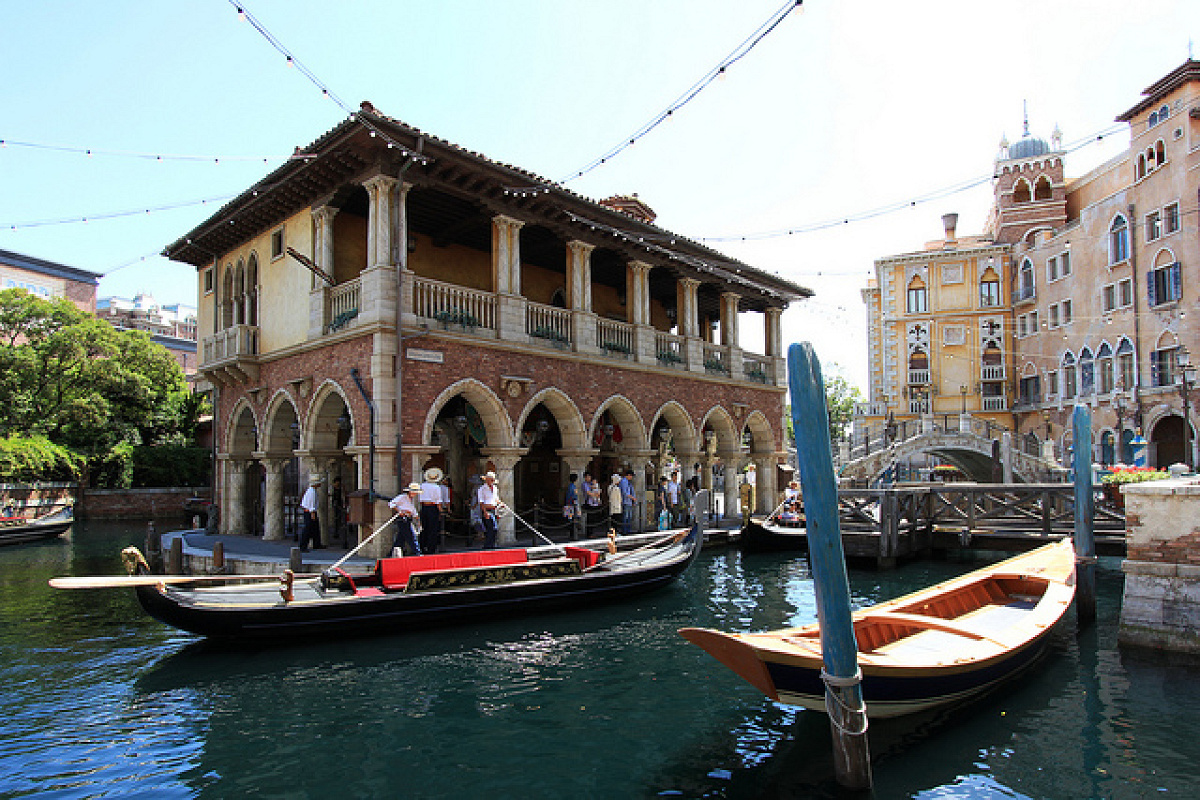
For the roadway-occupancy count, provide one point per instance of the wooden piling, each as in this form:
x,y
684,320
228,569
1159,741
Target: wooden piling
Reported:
x,y
1085,510
218,555
175,559
843,690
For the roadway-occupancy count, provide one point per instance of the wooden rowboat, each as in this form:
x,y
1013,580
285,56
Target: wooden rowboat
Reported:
x,y
15,530
937,646
402,593
766,535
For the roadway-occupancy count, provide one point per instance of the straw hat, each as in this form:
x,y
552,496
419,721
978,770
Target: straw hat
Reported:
x,y
491,475
433,475
414,487
315,480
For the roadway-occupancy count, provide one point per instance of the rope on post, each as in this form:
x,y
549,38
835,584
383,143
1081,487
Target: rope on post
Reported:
x,y
846,713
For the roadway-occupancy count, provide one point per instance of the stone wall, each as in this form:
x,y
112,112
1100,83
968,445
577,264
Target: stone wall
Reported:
x,y
1161,606
140,503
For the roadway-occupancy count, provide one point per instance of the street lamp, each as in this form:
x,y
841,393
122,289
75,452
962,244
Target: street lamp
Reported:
x,y
1120,408
1187,377
963,391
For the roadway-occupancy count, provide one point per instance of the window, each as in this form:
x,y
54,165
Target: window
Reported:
x,y
1087,372
1025,285
1068,376
1021,329
277,244
1052,269
208,281
1125,371
1033,322
1052,383
1042,189
918,297
1030,390
1160,153
1118,240
1163,367
1154,228
1054,316
1064,261
1106,370
1171,218
1164,284
1108,297
1066,312
989,289
1125,292
1021,193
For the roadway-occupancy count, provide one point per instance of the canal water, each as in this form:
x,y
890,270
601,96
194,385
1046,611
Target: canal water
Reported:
x,y
607,702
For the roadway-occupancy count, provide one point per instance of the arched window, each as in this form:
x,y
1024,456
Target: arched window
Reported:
x,y
989,289
1126,369
1118,240
252,290
918,297
1104,358
226,299
1153,119
1069,382
1087,375
1108,448
1139,171
1160,153
239,295
1025,285
1042,190
1021,193
918,367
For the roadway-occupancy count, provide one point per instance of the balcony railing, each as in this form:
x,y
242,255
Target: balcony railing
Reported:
x,y
453,306
918,406
875,408
918,377
994,403
342,303
992,372
548,324
668,349
239,341
614,338
716,360
756,369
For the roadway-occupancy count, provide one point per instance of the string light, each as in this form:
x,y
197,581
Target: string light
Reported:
x,y
735,56
113,214
93,151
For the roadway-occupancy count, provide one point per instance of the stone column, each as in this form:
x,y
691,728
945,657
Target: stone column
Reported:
x,y
233,518
729,318
505,461
506,278
733,503
323,257
638,297
773,331
273,502
380,220
579,295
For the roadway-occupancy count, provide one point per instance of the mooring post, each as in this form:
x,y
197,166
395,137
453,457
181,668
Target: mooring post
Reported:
x,y
1085,541
843,689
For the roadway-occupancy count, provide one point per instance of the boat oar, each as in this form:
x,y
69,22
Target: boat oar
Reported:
x,y
675,536
536,532
123,581
363,543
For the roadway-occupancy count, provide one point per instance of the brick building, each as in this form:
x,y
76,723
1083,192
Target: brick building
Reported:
x,y
48,279
388,301
172,325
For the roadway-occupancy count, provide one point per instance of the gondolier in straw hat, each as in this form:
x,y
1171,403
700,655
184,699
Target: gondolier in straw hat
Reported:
x,y
489,501
433,501
407,522
311,530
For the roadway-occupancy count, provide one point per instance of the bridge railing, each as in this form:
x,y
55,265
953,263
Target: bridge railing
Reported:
x,y
872,438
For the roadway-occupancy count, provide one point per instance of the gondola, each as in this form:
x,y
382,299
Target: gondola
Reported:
x,y
15,530
937,646
402,594
769,535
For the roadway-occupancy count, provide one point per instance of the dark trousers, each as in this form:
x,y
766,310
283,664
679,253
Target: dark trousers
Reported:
x,y
431,529
489,531
406,537
311,531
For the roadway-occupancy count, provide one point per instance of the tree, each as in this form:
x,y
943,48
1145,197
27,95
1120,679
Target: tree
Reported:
x,y
840,399
82,384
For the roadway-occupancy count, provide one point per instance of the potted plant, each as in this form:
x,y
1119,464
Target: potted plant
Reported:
x,y
1112,482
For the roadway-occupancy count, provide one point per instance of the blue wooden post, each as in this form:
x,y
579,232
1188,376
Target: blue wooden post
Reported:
x,y
1085,541
843,692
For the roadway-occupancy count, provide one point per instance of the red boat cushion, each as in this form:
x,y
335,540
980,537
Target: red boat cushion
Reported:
x,y
393,572
584,556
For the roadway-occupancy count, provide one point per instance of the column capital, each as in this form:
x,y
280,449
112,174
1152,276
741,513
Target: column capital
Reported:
x,y
580,247
324,213
691,284
380,181
507,221
640,267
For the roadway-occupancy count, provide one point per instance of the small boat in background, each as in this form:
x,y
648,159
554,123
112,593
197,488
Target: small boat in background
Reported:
x,y
16,529
937,646
770,536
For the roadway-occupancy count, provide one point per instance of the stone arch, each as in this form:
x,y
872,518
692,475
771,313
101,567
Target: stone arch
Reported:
x,y
1166,340
721,423
1021,192
279,440
566,414
1163,258
330,423
241,437
760,430
624,413
680,423
492,413
1042,189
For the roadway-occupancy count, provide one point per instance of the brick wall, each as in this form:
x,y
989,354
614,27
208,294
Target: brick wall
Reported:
x,y
138,503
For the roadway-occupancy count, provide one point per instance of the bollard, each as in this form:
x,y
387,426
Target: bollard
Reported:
x,y
296,560
218,556
1085,541
175,559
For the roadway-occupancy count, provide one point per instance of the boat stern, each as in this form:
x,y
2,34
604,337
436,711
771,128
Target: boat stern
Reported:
x,y
736,655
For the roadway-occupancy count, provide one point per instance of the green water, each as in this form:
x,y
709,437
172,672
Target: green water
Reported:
x,y
100,701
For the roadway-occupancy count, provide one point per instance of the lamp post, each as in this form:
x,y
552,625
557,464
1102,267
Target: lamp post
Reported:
x,y
963,390
1120,408
1187,377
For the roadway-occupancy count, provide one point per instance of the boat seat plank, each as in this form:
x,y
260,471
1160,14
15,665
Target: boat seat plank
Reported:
x,y
930,623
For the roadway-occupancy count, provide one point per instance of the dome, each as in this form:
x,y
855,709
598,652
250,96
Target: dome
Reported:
x,y
1028,147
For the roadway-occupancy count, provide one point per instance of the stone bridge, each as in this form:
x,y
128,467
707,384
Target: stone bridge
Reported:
x,y
969,447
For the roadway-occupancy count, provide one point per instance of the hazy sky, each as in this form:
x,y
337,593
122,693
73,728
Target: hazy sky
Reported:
x,y
847,107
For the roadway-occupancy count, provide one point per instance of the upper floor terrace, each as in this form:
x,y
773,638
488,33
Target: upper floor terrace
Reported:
x,y
377,225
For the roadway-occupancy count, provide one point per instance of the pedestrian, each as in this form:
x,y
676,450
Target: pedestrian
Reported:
x,y
570,507
489,503
614,502
675,499
431,511
628,502
662,505
408,522
309,504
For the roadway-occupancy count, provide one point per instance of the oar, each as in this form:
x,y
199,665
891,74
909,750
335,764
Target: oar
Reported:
x,y
771,516
363,543
676,536
552,543
119,581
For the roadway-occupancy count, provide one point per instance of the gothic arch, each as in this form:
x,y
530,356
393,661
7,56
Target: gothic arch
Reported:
x,y
722,425
241,437
495,418
680,422
566,415
1042,189
328,412
1021,192
278,439
625,414
760,429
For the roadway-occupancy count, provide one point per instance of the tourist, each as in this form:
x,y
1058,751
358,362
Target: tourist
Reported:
x,y
311,532
408,522
628,502
489,502
662,504
674,499
614,502
571,501
432,500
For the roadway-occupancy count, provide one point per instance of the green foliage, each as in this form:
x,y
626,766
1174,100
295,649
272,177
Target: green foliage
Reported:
x,y
840,398
1134,475
171,465
25,459
77,382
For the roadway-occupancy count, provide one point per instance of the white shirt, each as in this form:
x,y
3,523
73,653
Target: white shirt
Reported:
x,y
309,501
673,492
403,504
431,493
489,495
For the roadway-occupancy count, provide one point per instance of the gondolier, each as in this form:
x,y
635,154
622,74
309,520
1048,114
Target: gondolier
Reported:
x,y
433,501
311,531
489,501
407,520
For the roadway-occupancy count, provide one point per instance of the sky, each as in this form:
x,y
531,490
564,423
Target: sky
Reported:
x,y
845,108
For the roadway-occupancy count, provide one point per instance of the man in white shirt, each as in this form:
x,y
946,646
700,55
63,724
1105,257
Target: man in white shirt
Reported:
x,y
311,524
673,500
407,522
489,502
432,502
